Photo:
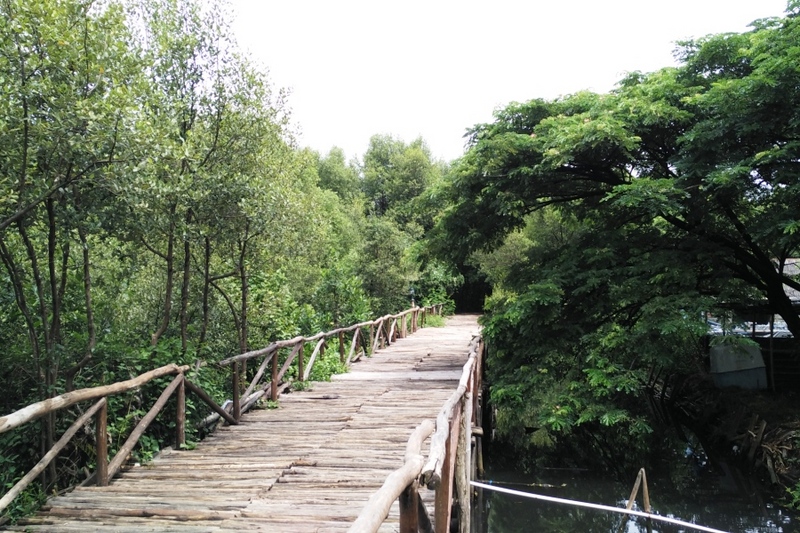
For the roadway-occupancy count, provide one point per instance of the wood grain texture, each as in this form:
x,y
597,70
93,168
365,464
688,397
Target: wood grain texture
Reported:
x,y
308,466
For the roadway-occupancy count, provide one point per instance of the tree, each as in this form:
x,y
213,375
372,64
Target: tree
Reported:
x,y
672,195
337,176
395,174
65,103
707,148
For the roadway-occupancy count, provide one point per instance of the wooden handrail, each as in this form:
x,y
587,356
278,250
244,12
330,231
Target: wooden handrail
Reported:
x,y
38,409
49,456
335,332
432,473
377,508
453,429
106,470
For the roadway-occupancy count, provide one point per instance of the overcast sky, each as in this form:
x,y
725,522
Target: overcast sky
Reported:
x,y
433,68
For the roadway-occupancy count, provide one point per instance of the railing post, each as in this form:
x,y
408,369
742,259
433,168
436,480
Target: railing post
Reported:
x,y
101,438
409,509
300,360
463,462
341,347
371,338
444,492
403,326
237,406
274,384
180,414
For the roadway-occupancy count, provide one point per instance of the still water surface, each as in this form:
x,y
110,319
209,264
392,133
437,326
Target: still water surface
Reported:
x,y
724,500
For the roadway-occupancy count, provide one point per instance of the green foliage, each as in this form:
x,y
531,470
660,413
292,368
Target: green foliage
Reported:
x,y
434,321
609,224
385,270
154,210
336,175
328,365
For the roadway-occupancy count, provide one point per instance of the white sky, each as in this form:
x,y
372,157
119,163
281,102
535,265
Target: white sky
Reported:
x,y
433,68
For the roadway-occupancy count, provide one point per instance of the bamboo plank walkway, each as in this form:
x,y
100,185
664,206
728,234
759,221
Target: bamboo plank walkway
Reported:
x,y
308,466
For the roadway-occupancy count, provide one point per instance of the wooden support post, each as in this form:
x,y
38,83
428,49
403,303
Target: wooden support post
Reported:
x,y
125,450
371,338
274,383
425,525
237,406
641,481
645,492
341,346
300,361
403,326
444,492
353,345
180,414
409,510
210,402
463,461
101,438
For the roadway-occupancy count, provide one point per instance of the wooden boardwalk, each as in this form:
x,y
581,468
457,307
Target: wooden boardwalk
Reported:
x,y
308,466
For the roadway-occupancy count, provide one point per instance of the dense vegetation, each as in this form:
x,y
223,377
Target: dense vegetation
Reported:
x,y
154,208
611,224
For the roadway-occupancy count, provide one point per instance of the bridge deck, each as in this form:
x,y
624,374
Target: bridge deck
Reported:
x,y
308,466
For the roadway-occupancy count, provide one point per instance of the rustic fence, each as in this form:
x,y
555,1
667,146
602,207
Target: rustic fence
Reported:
x,y
365,338
449,466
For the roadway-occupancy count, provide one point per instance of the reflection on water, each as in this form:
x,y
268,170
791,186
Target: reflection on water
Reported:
x,y
723,500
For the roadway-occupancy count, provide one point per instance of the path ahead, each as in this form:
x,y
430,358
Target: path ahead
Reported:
x,y
308,466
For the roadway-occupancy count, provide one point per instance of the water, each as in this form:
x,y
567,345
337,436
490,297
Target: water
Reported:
x,y
720,498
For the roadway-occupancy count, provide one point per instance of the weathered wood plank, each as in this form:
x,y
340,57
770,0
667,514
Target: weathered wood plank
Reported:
x,y
308,466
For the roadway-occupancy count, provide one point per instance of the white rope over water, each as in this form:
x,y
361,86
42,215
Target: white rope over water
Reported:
x,y
596,506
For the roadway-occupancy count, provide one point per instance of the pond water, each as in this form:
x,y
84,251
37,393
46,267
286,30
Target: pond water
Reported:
x,y
719,498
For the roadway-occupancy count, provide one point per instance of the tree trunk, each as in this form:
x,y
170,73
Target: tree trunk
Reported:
x,y
245,289
170,259
69,375
184,313
206,290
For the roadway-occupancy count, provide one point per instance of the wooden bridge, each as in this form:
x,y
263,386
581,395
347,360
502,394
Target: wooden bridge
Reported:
x,y
334,457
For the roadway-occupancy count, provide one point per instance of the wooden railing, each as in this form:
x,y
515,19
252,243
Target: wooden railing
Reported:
x,y
366,337
447,468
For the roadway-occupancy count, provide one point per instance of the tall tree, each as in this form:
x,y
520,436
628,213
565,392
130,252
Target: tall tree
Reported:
x,y
679,146
617,219
65,105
